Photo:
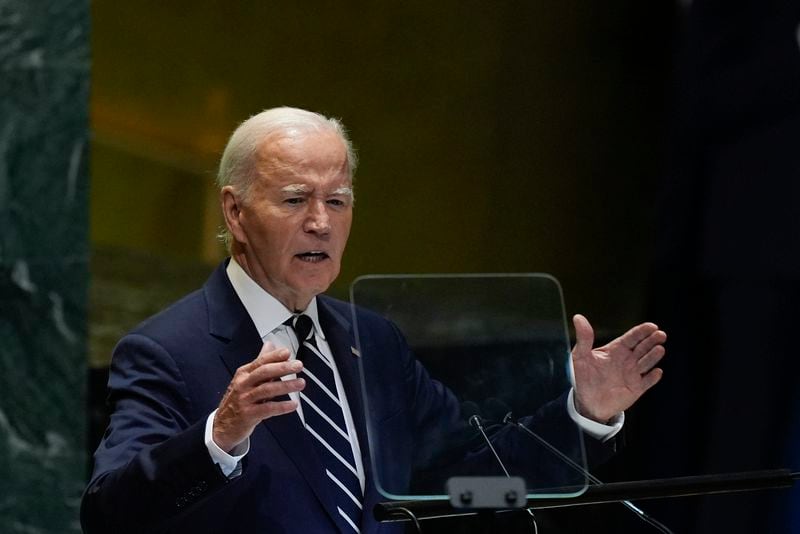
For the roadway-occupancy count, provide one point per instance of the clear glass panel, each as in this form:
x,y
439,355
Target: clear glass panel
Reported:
x,y
498,344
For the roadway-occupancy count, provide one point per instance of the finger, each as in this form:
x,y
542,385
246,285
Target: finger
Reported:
x,y
269,353
270,390
650,360
656,338
635,335
274,408
267,347
651,378
272,371
584,335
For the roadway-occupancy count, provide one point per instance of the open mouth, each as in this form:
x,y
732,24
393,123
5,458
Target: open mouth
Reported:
x,y
313,256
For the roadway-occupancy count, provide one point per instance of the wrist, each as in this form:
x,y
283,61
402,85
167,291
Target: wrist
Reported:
x,y
595,415
221,438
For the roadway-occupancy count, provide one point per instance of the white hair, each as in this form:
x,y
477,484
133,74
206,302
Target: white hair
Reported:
x,y
237,166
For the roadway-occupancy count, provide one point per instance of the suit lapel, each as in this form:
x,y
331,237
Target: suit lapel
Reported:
x,y
340,339
229,320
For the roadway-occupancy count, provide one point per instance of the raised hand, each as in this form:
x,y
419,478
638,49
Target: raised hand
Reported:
x,y
609,379
249,397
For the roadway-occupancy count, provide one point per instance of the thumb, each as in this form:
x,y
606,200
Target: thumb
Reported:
x,y
584,335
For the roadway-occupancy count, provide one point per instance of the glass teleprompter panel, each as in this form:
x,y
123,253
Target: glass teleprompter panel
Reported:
x,y
487,358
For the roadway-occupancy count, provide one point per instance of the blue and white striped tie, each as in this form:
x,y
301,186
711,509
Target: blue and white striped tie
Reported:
x,y
324,420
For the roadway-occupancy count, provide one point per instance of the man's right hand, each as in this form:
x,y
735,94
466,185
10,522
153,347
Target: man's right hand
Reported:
x,y
249,397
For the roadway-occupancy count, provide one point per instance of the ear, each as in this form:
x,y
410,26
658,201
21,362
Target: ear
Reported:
x,y
232,211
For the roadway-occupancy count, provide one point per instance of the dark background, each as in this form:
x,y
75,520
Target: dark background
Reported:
x,y
644,153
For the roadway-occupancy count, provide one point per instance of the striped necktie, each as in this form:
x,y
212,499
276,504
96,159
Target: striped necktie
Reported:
x,y
324,420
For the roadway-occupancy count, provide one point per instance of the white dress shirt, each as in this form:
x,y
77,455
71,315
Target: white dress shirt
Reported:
x,y
268,315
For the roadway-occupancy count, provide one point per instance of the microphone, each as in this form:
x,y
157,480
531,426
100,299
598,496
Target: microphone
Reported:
x,y
476,421
469,408
509,419
495,409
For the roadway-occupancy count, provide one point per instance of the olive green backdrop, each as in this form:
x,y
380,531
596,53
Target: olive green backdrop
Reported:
x,y
504,136
493,136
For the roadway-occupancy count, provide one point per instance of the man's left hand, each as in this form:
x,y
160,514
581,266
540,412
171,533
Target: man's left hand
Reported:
x,y
609,379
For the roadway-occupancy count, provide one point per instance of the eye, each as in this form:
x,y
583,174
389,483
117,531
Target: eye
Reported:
x,y
336,202
293,200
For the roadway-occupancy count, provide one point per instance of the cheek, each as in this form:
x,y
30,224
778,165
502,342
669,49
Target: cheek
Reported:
x,y
275,233
346,223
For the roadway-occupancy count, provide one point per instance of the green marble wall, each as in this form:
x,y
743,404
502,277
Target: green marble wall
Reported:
x,y
44,85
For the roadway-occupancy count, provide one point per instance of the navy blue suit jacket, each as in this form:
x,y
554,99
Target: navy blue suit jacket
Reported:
x,y
153,472
152,469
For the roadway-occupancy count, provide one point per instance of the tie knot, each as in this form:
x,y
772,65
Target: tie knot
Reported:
x,y
302,325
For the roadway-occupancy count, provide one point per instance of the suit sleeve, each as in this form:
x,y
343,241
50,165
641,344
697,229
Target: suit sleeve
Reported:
x,y
152,464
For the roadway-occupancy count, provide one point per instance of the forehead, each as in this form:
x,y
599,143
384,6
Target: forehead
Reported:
x,y
313,158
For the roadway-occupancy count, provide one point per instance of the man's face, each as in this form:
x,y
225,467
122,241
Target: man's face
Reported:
x,y
297,215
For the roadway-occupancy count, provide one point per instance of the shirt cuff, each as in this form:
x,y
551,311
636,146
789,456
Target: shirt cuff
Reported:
x,y
593,428
229,464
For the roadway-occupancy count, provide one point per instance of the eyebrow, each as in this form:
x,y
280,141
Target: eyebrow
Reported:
x,y
344,191
294,189
299,189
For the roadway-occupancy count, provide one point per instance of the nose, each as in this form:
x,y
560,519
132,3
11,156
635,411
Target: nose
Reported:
x,y
318,221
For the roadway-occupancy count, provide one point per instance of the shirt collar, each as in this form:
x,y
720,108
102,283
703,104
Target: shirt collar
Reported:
x,y
266,312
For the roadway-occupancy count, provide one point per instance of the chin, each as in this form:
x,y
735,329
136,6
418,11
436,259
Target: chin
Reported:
x,y
312,287
315,278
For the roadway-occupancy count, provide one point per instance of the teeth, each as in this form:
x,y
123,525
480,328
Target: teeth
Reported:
x,y
312,256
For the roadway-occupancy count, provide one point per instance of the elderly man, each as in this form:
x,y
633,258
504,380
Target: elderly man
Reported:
x,y
202,437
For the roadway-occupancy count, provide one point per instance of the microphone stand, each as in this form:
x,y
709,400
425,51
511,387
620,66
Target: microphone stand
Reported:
x,y
641,514
477,422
